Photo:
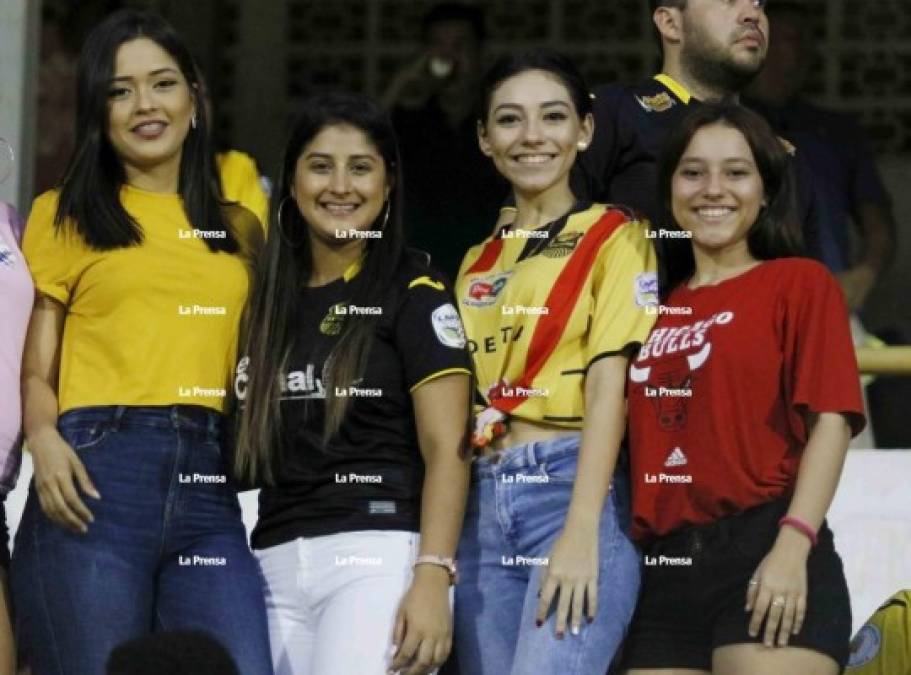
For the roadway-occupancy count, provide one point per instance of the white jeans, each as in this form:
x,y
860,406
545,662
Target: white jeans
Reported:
x,y
332,600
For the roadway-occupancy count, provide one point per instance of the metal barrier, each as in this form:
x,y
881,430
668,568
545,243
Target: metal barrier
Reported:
x,y
884,360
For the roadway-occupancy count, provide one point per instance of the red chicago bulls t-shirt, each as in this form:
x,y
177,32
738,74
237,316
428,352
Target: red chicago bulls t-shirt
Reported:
x,y
717,395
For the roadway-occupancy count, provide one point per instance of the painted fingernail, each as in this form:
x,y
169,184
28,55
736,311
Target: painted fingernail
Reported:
x,y
575,630
539,623
590,618
560,635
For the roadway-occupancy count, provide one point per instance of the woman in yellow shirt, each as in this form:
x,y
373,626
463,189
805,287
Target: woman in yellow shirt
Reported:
x,y
132,524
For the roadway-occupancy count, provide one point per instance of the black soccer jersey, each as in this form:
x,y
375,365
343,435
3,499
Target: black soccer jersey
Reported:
x,y
369,475
631,125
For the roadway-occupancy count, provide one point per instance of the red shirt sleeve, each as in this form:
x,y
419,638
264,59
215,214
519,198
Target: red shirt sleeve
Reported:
x,y
820,367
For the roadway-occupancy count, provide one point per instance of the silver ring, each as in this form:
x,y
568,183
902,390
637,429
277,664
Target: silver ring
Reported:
x,y
778,602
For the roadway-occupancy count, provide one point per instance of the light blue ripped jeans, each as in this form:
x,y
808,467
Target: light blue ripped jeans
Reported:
x,y
517,506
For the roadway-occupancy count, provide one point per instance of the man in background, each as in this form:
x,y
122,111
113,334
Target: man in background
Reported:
x,y
451,191
842,166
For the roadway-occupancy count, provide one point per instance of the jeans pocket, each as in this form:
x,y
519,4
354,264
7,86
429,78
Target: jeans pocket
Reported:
x,y
560,469
85,436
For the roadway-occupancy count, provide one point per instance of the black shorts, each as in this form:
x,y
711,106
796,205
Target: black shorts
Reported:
x,y
686,611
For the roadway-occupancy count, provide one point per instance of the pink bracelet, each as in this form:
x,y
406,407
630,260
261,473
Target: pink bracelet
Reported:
x,y
800,526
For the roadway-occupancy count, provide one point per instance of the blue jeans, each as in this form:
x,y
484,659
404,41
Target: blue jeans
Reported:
x,y
516,510
167,549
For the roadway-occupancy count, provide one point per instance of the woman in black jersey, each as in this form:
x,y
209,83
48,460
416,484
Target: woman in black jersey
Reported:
x,y
354,393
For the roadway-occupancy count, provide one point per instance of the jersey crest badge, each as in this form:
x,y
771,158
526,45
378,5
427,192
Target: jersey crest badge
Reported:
x,y
657,103
562,245
332,322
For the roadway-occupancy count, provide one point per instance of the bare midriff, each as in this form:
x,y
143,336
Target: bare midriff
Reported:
x,y
520,432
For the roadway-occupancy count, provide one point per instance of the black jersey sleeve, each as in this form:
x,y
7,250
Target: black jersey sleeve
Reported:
x,y
429,334
590,178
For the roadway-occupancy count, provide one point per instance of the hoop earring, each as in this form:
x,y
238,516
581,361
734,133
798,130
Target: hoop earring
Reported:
x,y
281,229
386,215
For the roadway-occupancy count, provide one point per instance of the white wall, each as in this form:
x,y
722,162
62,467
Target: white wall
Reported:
x,y
871,518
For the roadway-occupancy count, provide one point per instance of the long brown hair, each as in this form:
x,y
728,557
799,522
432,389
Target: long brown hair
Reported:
x,y
270,332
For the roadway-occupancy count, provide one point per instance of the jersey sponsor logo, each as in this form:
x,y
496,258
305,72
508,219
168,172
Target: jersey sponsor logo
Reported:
x,y
865,646
334,319
646,288
484,292
448,326
488,344
562,245
7,257
676,458
302,384
657,103
381,508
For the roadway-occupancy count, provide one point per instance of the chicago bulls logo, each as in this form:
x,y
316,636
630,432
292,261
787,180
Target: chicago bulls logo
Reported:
x,y
668,384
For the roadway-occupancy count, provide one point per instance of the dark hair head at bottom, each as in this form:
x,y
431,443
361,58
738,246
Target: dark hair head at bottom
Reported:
x,y
172,652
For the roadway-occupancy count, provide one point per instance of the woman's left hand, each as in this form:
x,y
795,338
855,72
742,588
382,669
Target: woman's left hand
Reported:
x,y
777,591
571,574
423,623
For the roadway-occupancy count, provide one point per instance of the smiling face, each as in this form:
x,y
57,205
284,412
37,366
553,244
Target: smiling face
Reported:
x,y
150,106
340,182
533,131
724,41
716,190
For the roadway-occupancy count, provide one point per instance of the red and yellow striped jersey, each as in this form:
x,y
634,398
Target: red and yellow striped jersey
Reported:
x,y
540,306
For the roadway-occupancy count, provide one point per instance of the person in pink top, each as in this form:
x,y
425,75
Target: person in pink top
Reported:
x,y
16,301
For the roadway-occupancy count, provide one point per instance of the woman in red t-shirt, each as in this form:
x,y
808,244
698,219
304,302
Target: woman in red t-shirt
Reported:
x,y
741,406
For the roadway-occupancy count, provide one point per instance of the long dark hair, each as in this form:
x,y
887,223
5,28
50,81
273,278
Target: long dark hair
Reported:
x,y
90,189
284,270
776,232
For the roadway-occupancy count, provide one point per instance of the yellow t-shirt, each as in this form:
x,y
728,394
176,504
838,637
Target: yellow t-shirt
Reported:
x,y
883,645
153,324
502,296
240,183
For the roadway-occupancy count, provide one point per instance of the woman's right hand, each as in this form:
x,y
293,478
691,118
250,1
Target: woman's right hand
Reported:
x,y
57,472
